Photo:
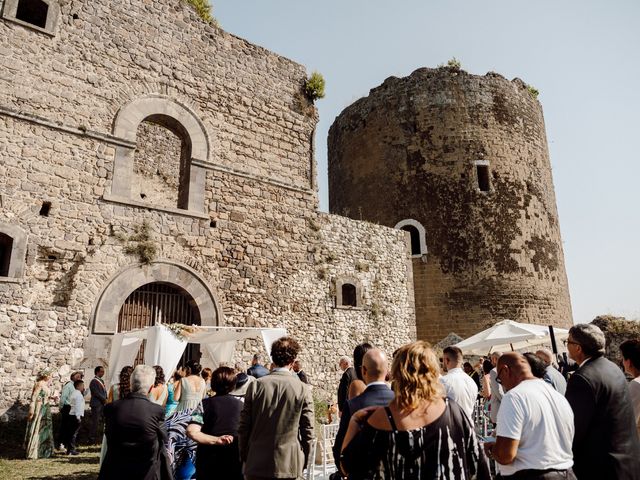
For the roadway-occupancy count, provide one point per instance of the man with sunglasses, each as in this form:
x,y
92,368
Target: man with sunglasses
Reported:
x,y
535,426
606,443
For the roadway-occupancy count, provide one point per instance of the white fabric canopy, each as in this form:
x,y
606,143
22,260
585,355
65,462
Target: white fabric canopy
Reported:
x,y
165,348
509,335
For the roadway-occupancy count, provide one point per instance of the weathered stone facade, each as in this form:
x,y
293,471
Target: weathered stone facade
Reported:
x,y
462,162
138,113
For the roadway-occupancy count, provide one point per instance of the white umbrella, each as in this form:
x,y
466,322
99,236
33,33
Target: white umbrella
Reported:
x,y
510,335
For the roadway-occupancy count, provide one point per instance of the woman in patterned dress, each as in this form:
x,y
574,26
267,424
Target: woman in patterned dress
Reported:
x,y
181,450
38,439
420,435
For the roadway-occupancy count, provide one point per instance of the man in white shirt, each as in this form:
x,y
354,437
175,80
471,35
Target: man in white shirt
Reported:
x,y
65,406
458,385
75,417
535,426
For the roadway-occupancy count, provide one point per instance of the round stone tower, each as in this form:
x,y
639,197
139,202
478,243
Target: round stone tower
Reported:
x,y
461,162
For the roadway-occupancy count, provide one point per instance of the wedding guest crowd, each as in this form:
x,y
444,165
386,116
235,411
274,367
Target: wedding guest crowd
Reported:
x,y
415,421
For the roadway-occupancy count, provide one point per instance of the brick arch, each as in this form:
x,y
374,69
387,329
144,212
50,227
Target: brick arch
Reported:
x,y
122,284
178,118
422,235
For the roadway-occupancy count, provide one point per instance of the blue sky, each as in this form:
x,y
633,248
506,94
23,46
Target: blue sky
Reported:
x,y
582,55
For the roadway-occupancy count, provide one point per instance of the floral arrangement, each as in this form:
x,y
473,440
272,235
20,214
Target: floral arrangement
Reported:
x,y
180,330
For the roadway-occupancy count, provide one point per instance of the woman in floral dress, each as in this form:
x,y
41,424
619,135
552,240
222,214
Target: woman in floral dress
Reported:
x,y
38,439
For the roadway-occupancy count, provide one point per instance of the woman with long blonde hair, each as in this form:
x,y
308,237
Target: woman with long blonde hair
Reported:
x,y
420,435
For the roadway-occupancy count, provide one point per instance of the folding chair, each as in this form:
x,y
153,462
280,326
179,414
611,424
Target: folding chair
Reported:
x,y
329,436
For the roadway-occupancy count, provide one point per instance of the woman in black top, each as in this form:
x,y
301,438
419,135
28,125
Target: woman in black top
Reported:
x,y
215,429
420,435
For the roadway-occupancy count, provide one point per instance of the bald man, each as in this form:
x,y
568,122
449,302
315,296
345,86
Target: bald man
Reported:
x,y
552,376
377,394
535,425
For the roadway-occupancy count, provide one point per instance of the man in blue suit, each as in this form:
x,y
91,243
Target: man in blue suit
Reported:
x,y
256,369
377,394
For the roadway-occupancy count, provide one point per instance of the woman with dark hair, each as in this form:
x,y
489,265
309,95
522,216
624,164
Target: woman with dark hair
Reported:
x,y
538,368
215,428
180,448
123,387
420,435
206,374
158,393
631,361
192,388
172,386
358,386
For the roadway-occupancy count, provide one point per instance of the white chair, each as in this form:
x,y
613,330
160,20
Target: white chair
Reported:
x,y
329,437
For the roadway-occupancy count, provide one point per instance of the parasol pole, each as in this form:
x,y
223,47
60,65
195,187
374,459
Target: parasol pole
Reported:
x,y
554,345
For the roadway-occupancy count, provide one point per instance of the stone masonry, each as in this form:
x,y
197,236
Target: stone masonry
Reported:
x,y
462,161
115,115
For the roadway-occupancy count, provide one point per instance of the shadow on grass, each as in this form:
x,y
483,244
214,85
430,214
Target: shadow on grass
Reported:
x,y
65,476
76,460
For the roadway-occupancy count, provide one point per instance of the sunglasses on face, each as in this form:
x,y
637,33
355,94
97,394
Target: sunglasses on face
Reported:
x,y
569,342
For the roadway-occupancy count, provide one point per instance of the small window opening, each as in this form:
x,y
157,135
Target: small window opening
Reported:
x,y
76,16
52,258
45,209
415,239
483,178
6,245
212,224
33,12
143,196
349,298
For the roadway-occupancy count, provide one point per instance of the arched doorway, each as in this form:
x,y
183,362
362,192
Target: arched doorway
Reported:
x,y
160,302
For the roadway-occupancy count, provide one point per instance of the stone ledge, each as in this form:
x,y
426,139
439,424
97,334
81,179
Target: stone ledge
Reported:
x,y
251,176
82,132
133,203
11,280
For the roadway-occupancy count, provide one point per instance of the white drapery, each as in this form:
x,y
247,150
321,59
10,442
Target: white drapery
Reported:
x,y
164,348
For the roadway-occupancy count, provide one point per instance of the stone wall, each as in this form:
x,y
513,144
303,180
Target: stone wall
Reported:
x,y
616,331
256,254
415,149
159,165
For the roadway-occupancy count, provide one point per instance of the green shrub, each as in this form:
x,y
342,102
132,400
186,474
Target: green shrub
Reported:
x,y
203,9
140,243
533,91
314,86
454,63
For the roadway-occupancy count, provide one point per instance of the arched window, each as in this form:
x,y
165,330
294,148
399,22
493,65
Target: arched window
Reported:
x,y
41,15
161,163
163,168
417,233
348,292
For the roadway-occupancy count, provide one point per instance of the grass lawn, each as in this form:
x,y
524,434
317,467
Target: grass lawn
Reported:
x,y
13,465
81,467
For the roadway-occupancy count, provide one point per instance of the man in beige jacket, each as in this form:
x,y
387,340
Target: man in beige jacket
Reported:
x,y
276,424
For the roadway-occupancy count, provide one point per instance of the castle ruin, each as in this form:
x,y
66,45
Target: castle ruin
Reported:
x,y
461,162
156,168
